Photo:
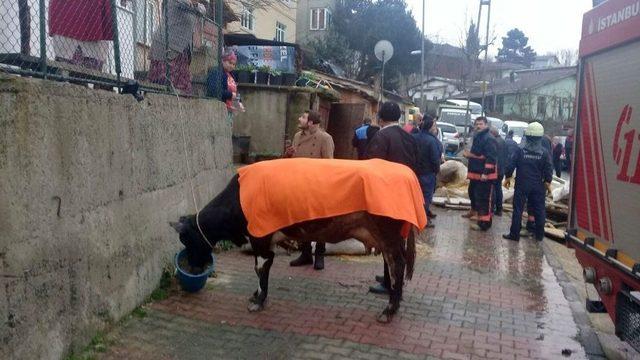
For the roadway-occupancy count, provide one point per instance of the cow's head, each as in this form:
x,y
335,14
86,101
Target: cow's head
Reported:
x,y
198,250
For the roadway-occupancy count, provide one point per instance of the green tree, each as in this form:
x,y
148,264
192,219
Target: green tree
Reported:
x,y
515,49
362,23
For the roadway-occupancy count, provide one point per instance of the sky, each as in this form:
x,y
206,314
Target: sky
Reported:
x,y
551,25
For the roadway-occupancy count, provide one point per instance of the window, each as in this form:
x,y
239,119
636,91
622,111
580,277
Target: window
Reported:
x,y
145,20
500,104
542,106
280,31
320,19
560,108
246,18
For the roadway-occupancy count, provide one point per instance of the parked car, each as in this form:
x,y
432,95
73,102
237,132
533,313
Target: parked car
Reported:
x,y
518,128
451,139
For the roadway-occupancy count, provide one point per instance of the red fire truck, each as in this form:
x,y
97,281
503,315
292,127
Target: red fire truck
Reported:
x,y
604,219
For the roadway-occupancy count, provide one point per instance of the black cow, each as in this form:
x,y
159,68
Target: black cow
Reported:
x,y
223,218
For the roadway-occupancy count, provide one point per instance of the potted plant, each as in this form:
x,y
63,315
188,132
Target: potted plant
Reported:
x,y
275,77
245,73
262,77
306,79
289,79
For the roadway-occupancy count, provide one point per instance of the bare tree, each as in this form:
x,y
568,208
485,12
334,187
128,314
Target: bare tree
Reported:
x,y
567,57
253,4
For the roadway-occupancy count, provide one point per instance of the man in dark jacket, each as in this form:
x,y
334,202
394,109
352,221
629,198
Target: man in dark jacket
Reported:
x,y
428,166
533,166
557,155
511,147
362,136
482,173
391,143
501,150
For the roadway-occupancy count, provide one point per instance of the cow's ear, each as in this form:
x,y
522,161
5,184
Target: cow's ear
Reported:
x,y
180,227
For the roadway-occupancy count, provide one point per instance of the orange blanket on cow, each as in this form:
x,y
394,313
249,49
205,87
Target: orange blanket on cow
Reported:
x,y
279,193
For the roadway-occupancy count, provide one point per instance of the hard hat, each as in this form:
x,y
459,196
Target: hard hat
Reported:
x,y
534,129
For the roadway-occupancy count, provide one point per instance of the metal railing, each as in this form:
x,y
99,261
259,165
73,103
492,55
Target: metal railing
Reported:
x,y
154,45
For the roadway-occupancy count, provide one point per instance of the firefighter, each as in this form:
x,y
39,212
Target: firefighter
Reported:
x,y
483,172
534,173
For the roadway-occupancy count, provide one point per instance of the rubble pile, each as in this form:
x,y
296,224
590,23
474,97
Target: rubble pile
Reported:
x,y
451,193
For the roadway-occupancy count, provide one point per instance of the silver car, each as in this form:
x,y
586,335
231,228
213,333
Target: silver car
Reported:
x,y
451,138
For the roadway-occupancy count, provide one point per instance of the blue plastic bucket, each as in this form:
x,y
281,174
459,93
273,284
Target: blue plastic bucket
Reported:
x,y
189,282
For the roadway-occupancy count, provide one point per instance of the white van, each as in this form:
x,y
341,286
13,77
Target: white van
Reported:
x,y
456,117
474,108
518,128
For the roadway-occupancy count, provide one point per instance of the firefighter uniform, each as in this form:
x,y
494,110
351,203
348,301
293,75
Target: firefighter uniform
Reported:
x,y
533,173
483,172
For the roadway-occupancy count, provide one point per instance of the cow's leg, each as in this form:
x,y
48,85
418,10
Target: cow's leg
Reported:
x,y
394,256
263,260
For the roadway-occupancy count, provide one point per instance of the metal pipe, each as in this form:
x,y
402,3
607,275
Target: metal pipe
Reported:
x,y
486,52
116,39
219,21
43,39
422,109
167,72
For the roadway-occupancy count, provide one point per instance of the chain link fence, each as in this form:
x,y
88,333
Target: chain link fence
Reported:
x,y
151,45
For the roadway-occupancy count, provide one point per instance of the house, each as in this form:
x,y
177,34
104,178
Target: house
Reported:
x,y
540,94
435,88
446,61
313,19
545,61
500,70
275,20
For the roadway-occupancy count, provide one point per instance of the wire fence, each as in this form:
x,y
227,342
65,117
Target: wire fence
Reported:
x,y
154,45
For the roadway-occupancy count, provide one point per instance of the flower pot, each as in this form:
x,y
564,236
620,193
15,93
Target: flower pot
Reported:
x,y
262,78
245,77
275,80
289,79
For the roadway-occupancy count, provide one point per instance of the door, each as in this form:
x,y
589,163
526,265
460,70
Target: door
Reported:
x,y
343,120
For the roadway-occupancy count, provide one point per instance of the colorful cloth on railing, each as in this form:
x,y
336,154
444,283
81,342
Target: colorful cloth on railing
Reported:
x,y
86,20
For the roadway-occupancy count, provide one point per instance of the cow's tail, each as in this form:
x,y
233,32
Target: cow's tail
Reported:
x,y
411,253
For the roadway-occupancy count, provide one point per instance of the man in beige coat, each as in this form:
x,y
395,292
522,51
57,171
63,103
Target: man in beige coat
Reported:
x,y
311,142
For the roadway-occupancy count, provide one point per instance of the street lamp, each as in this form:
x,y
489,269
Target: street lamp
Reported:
x,y
421,52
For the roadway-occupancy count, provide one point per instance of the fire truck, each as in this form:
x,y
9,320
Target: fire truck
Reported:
x,y
604,217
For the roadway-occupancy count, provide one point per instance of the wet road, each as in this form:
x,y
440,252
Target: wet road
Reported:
x,y
473,296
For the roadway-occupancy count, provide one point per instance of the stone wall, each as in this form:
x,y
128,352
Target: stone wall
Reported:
x,y
272,113
89,180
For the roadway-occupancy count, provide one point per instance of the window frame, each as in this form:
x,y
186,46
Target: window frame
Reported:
x,y
314,14
247,19
145,24
281,31
541,107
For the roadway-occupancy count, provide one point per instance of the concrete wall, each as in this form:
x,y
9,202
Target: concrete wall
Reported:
x,y
271,115
89,181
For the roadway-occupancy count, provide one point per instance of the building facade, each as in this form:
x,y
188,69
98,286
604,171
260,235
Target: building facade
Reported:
x,y
313,19
276,21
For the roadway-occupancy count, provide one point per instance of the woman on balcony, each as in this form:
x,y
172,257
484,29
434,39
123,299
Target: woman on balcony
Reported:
x,y
172,45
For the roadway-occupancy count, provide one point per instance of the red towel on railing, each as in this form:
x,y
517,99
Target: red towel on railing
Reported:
x,y
85,20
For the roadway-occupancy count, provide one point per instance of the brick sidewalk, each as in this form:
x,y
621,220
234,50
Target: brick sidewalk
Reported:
x,y
473,296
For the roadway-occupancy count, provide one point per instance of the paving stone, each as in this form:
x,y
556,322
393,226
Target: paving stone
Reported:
x,y
473,296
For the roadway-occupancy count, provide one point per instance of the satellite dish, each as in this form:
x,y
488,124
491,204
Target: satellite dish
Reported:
x,y
383,50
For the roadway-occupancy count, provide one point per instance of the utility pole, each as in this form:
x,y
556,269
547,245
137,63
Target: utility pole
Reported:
x,y
486,49
422,109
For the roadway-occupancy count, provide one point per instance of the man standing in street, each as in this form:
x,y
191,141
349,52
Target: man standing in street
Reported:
x,y
362,136
502,160
428,164
311,142
482,173
557,154
391,143
533,175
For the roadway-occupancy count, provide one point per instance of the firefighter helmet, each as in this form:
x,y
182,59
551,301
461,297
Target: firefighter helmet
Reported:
x,y
534,129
